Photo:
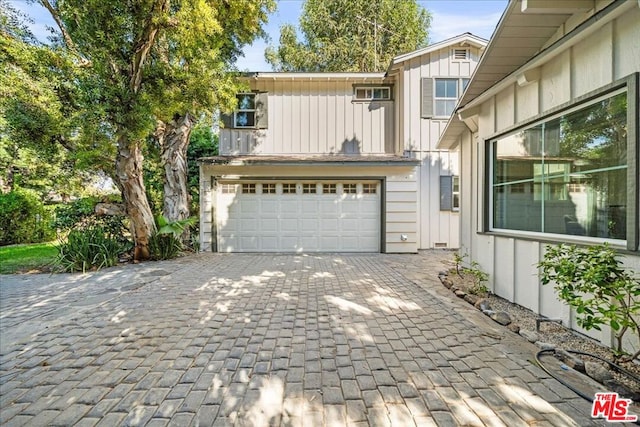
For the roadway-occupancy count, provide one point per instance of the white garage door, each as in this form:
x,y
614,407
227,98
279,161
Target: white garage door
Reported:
x,y
298,216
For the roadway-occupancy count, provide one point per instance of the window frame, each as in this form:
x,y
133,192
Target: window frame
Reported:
x,y
372,88
455,182
461,85
630,84
254,110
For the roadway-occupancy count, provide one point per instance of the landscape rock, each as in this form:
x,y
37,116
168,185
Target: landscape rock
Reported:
x,y
545,345
598,371
483,304
454,288
530,336
570,360
501,317
460,293
488,312
513,327
471,299
447,283
443,273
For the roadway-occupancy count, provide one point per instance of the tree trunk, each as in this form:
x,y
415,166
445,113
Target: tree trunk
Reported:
x,y
174,141
130,181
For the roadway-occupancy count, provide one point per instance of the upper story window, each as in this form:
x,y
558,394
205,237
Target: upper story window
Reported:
x,y
440,96
447,92
460,54
568,174
371,93
250,113
245,115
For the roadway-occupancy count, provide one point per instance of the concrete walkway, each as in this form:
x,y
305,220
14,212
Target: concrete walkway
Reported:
x,y
215,339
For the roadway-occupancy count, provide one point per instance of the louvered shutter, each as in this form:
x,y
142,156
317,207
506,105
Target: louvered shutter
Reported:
x,y
446,189
427,98
262,110
227,120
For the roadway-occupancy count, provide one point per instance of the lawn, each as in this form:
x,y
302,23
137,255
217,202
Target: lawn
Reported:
x,y
29,257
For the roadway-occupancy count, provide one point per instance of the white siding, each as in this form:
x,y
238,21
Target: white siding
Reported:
x,y
312,117
420,136
611,53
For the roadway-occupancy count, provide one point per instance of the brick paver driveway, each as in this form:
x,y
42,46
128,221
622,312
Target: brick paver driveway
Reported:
x,y
265,340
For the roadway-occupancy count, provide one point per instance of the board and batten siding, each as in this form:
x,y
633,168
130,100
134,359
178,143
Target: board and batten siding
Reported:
x,y
399,196
609,54
419,136
315,117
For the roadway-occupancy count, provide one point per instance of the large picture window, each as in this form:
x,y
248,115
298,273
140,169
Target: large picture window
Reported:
x,y
565,175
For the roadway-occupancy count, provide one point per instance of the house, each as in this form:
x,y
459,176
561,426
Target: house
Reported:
x,y
547,132
340,162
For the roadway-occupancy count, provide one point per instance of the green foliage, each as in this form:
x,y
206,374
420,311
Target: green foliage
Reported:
x,y
47,141
166,242
29,257
80,215
593,282
24,218
479,276
354,35
203,143
87,249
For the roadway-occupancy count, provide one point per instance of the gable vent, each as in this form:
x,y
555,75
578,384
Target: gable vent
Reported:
x,y
461,54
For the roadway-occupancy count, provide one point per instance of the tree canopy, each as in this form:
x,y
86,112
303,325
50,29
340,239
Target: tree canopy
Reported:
x,y
350,35
150,60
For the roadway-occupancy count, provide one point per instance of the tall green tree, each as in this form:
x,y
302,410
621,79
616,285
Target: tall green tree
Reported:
x,y
39,114
210,48
141,55
350,35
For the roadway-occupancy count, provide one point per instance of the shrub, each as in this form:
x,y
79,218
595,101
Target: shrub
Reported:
x,y
592,281
80,214
24,218
166,242
89,248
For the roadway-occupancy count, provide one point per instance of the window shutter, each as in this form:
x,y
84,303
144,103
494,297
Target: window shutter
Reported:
x,y
446,188
427,98
227,120
262,107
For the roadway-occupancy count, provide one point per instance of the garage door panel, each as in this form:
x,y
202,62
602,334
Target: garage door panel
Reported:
x,y
302,222
249,224
249,243
270,243
310,225
269,225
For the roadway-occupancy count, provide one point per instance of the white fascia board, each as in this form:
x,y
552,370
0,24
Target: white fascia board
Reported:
x,y
551,52
318,76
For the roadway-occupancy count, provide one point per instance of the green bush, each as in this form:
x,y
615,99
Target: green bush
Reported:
x,y
89,248
80,214
166,242
593,282
24,218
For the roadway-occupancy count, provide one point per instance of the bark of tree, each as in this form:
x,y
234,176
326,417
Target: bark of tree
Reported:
x,y
173,138
130,181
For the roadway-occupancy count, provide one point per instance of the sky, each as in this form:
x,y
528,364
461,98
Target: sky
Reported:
x,y
449,18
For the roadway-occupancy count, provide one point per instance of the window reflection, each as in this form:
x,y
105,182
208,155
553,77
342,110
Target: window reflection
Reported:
x,y
567,175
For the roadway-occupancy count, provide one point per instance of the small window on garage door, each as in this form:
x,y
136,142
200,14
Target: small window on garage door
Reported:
x,y
369,188
309,188
329,188
269,188
248,189
350,188
288,188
